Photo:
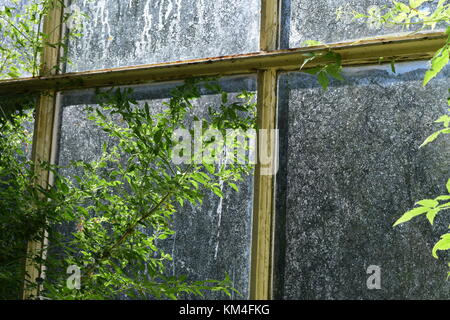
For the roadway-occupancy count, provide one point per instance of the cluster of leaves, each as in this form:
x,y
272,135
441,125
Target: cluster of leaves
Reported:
x,y
324,72
398,13
431,207
22,38
417,13
108,218
122,204
445,120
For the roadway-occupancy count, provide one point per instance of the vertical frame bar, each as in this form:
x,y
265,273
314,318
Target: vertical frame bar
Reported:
x,y
264,185
44,138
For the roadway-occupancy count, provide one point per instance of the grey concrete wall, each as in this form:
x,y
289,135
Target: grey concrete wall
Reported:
x,y
350,166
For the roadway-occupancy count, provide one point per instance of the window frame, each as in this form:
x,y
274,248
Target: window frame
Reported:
x,y
267,63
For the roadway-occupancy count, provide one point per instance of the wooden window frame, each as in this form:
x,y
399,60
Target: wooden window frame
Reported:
x,y
266,63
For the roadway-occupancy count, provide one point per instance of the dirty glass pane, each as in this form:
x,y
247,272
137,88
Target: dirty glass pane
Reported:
x,y
210,240
7,46
331,21
125,33
350,167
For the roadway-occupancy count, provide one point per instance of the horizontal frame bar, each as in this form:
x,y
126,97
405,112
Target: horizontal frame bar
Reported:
x,y
44,142
399,48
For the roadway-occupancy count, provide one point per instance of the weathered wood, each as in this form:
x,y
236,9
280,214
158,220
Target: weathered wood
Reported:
x,y
264,176
269,33
44,141
363,52
264,197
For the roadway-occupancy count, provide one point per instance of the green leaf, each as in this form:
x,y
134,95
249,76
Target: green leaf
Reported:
x,y
323,80
199,178
64,188
431,215
210,167
445,119
448,185
162,236
431,138
234,186
429,203
310,43
311,57
334,70
438,62
401,6
313,71
224,97
443,244
393,66
218,192
411,214
417,3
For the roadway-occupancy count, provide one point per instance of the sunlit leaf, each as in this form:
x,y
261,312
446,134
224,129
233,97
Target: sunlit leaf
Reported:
x,y
443,244
411,214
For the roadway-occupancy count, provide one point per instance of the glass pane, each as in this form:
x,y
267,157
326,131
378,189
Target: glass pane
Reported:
x,y
15,151
210,240
330,21
125,33
350,167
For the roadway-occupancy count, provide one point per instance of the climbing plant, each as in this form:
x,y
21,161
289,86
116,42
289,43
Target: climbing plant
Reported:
x,y
121,206
105,224
415,16
22,40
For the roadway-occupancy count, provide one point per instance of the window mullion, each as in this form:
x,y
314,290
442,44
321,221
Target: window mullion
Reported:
x,y
263,203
